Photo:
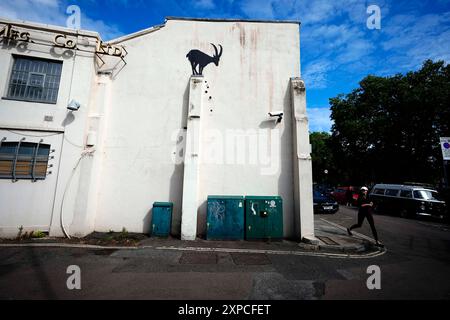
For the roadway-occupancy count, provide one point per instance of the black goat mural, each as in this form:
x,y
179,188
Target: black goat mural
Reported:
x,y
201,60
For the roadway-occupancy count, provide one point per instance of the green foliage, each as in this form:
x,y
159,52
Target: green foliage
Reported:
x,y
322,158
117,236
38,235
29,235
388,129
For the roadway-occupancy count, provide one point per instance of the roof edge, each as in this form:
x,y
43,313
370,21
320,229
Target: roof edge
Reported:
x,y
233,20
49,27
137,34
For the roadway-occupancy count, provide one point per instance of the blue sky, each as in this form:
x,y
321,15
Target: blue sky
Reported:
x,y
337,48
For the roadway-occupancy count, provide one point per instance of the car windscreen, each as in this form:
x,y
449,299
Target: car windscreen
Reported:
x,y
427,195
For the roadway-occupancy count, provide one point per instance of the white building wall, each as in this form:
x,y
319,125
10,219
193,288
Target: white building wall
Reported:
x,y
252,79
27,119
139,117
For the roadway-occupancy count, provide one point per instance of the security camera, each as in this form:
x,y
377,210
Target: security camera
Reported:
x,y
73,105
278,114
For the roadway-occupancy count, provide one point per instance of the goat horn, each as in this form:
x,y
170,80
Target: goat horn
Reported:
x,y
215,48
221,51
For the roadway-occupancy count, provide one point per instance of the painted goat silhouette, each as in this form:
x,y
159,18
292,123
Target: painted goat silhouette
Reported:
x,y
201,60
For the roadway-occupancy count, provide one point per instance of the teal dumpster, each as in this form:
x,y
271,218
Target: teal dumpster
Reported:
x,y
263,218
225,218
161,219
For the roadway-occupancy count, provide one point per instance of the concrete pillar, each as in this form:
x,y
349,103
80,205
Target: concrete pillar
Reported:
x,y
191,160
303,188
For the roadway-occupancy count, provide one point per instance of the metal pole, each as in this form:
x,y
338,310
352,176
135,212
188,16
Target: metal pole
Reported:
x,y
445,174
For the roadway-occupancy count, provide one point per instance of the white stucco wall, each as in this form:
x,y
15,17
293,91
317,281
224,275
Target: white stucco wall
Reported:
x,y
149,101
138,118
26,119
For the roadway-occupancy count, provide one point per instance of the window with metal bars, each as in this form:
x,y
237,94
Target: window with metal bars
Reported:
x,y
35,80
24,160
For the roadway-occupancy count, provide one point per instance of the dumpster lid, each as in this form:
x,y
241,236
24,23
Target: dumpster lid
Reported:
x,y
263,198
163,204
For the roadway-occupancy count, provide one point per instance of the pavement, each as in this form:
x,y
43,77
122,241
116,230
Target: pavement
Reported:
x,y
332,240
414,266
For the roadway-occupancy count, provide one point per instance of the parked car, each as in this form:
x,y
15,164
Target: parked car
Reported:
x,y
408,200
340,195
324,203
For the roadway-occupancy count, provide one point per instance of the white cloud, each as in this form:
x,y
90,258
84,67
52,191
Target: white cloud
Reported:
x,y
52,12
315,73
411,39
257,9
204,4
319,119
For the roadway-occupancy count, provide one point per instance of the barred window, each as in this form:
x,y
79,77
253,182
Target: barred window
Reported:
x,y
24,160
35,80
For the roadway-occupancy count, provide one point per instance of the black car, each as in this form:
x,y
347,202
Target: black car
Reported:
x,y
324,203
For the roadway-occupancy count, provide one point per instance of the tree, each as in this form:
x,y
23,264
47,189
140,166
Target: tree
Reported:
x,y
322,158
388,129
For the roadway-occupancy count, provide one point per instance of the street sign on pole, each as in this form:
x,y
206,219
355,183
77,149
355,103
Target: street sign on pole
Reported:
x,y
445,145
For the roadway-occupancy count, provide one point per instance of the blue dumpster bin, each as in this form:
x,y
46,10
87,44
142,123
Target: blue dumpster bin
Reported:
x,y
161,219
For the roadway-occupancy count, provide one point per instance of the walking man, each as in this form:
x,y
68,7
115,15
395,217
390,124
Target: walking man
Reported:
x,y
365,211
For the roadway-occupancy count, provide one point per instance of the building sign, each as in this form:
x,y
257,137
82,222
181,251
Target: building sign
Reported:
x,y
9,33
445,145
62,41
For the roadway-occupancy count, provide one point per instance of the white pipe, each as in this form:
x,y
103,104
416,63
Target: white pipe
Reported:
x,y
85,153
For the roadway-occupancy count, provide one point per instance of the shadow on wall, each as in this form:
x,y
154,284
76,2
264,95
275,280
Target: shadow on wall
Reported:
x,y
147,221
22,47
201,220
176,180
286,186
185,108
68,119
268,124
176,196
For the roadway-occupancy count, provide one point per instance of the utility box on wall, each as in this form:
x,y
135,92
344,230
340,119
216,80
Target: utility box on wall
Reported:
x,y
225,218
161,219
263,218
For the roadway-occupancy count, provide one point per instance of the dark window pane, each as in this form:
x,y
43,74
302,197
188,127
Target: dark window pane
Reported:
x,y
35,80
418,195
391,192
406,194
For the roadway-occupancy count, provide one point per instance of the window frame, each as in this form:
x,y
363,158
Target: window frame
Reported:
x,y
34,160
8,81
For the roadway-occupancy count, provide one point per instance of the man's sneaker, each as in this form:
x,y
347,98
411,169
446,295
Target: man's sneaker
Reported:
x,y
349,232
